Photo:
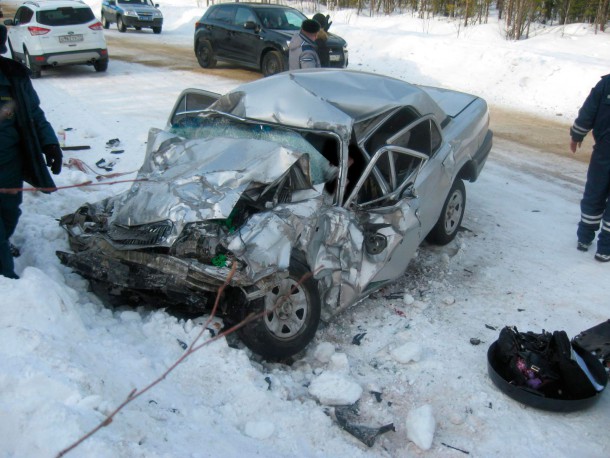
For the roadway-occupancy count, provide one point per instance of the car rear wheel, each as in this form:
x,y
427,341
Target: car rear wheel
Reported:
x,y
34,69
120,24
205,54
447,226
156,30
105,23
100,65
272,63
292,318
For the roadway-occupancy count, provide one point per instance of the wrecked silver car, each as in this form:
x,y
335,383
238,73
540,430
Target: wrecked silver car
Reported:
x,y
336,173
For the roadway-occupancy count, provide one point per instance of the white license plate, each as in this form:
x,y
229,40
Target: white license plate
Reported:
x,y
335,57
145,18
70,38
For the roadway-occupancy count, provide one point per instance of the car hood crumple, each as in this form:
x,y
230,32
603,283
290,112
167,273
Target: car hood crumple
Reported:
x,y
186,181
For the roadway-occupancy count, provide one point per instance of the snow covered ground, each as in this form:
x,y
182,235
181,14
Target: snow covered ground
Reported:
x,y
66,361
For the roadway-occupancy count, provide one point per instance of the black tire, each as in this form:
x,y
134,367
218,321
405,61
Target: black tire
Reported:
x,y
34,69
105,22
156,30
205,54
100,65
290,326
273,63
120,25
138,28
446,228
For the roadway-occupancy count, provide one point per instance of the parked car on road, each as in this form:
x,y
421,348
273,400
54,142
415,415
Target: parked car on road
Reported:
x,y
55,33
317,201
139,14
255,35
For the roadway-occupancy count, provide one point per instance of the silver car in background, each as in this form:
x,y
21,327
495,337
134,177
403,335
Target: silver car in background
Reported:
x,y
319,185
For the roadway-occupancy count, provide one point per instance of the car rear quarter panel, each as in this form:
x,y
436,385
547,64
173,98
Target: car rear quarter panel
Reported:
x,y
466,134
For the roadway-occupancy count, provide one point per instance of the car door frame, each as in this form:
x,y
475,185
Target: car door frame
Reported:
x,y
390,225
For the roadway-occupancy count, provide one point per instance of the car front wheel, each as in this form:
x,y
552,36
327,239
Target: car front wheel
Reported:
x,y
156,30
447,226
105,23
205,54
291,319
120,24
272,63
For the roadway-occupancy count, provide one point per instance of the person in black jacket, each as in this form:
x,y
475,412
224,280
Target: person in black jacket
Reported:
x,y
27,146
595,204
322,39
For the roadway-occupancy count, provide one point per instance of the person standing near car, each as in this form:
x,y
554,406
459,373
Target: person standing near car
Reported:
x,y
303,52
25,137
595,204
322,38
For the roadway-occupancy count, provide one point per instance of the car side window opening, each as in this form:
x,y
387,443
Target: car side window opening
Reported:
x,y
394,124
329,147
24,16
223,14
394,169
244,15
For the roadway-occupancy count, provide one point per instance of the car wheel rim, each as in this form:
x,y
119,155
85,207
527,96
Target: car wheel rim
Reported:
x,y
287,309
453,214
272,67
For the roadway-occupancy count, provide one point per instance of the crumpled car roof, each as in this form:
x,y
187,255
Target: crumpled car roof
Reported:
x,y
323,99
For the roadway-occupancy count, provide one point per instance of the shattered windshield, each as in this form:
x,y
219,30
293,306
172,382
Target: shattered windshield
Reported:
x,y
216,127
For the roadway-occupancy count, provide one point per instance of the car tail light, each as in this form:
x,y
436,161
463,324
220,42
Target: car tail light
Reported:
x,y
96,26
38,30
197,24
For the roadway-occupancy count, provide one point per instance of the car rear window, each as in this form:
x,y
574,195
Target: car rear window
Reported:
x,y
65,16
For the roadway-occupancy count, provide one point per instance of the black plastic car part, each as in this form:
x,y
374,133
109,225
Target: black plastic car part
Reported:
x,y
498,374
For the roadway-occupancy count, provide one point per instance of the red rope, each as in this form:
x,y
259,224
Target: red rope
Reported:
x,y
57,188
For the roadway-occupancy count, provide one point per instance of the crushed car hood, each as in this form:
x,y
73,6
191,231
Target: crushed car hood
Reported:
x,y
195,180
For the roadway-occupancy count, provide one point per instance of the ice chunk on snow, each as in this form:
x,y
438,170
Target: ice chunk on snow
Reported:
x,y
420,425
338,363
335,390
259,429
410,351
324,351
449,300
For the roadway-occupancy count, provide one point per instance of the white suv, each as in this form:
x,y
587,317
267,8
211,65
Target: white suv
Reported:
x,y
56,32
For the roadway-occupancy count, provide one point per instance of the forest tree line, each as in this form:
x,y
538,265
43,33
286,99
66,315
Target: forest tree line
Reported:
x,y
517,15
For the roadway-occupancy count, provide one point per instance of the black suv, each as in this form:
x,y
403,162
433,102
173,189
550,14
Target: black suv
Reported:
x,y
255,35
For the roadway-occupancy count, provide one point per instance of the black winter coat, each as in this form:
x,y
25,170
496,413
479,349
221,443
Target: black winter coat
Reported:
x,y
34,129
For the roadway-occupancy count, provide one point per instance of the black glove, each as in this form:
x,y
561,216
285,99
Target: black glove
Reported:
x,y
328,23
53,154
